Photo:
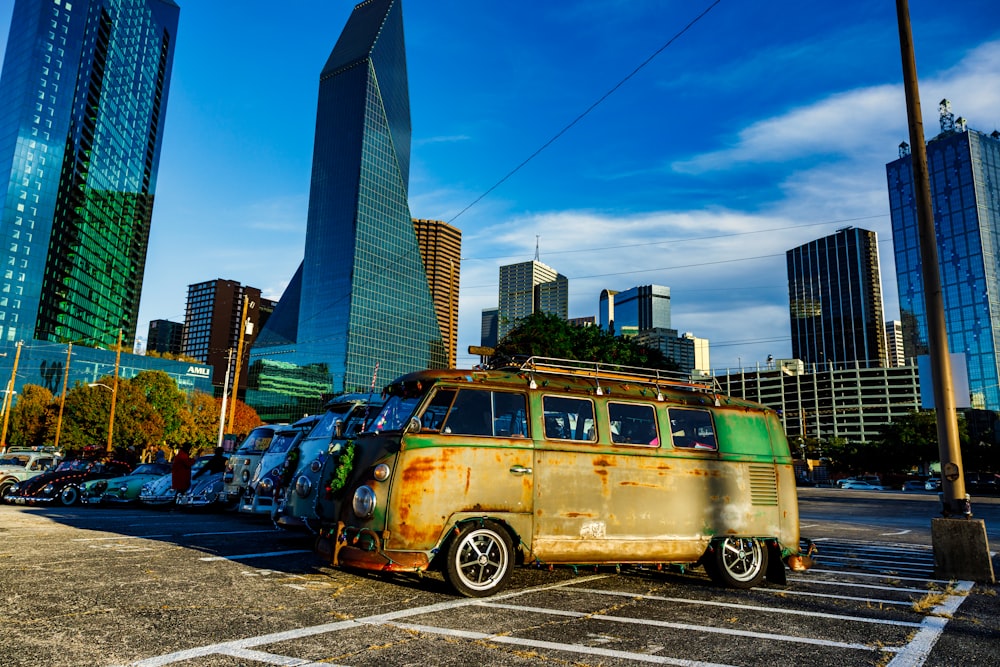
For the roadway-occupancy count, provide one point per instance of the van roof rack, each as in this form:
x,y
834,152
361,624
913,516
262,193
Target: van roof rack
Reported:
x,y
616,372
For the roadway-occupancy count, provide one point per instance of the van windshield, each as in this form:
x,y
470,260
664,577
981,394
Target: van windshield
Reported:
x,y
395,413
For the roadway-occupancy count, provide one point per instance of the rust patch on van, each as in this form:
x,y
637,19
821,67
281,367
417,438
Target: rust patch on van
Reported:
x,y
578,515
604,462
631,483
468,478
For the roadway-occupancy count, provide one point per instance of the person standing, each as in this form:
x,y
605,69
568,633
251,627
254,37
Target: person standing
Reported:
x,y
180,468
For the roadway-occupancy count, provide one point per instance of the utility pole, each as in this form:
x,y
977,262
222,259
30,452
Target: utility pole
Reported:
x,y
244,326
114,390
7,399
62,399
225,392
960,545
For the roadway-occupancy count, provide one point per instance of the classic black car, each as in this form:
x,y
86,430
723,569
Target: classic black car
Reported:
x,y
62,485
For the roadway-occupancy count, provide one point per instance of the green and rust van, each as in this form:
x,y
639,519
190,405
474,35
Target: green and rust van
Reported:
x,y
562,462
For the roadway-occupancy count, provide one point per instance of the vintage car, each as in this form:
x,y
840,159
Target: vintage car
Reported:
x,y
62,484
160,492
20,463
344,417
207,490
275,469
124,489
243,461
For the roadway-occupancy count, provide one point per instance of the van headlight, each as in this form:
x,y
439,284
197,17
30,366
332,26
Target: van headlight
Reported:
x,y
316,465
303,486
266,485
364,502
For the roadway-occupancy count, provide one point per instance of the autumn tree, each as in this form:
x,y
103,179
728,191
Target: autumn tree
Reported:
x,y
33,417
245,418
163,396
547,335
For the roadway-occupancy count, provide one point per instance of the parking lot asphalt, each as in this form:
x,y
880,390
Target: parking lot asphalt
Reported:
x,y
134,587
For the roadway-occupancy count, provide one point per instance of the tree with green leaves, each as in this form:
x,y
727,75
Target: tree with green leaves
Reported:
x,y
32,418
169,402
547,335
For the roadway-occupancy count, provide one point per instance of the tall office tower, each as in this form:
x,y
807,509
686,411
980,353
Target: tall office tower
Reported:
x,y
441,251
894,343
83,98
964,167
212,326
488,327
636,309
835,299
165,336
360,298
528,287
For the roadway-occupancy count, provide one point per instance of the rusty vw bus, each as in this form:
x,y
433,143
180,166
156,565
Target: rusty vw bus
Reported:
x,y
562,462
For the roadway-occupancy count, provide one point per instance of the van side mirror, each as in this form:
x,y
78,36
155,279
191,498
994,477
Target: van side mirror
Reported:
x,y
413,426
338,429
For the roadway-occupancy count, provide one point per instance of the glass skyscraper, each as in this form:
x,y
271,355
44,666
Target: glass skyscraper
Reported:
x,y
83,98
835,300
964,168
636,309
527,287
360,298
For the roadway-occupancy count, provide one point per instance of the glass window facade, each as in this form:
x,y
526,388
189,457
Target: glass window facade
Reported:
x,y
835,300
636,309
361,297
964,169
83,96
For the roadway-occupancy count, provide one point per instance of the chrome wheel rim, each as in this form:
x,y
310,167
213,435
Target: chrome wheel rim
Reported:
x,y
481,560
742,557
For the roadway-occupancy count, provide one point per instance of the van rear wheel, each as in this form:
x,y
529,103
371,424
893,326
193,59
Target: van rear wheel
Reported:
x,y
480,559
737,562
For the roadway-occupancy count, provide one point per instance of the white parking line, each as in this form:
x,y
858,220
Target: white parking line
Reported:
x,y
556,646
119,537
298,633
915,653
260,555
744,607
233,532
688,626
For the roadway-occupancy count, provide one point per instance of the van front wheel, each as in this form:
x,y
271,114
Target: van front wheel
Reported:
x,y
737,562
479,559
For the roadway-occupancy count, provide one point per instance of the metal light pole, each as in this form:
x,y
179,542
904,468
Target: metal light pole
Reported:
x,y
225,392
114,390
244,327
8,398
62,399
961,548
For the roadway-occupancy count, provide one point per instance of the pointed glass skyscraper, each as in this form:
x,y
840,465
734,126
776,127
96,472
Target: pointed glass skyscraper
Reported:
x,y
361,295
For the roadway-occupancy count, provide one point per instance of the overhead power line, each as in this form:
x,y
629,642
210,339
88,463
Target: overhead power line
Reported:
x,y
593,106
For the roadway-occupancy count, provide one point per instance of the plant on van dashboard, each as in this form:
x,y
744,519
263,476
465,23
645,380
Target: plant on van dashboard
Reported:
x,y
547,335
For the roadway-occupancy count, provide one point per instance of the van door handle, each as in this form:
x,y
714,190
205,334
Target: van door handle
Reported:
x,y
520,470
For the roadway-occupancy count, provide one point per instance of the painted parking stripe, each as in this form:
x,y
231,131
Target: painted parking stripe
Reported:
x,y
745,607
916,652
556,646
234,532
689,626
120,537
882,576
268,554
807,594
298,633
852,584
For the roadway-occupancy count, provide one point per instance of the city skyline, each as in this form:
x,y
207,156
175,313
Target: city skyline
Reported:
x,y
700,152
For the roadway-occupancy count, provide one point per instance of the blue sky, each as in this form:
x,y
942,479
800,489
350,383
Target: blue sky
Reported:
x,y
762,127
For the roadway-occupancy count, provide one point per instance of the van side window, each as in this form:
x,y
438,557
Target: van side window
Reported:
x,y
434,413
633,424
692,429
484,413
569,418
